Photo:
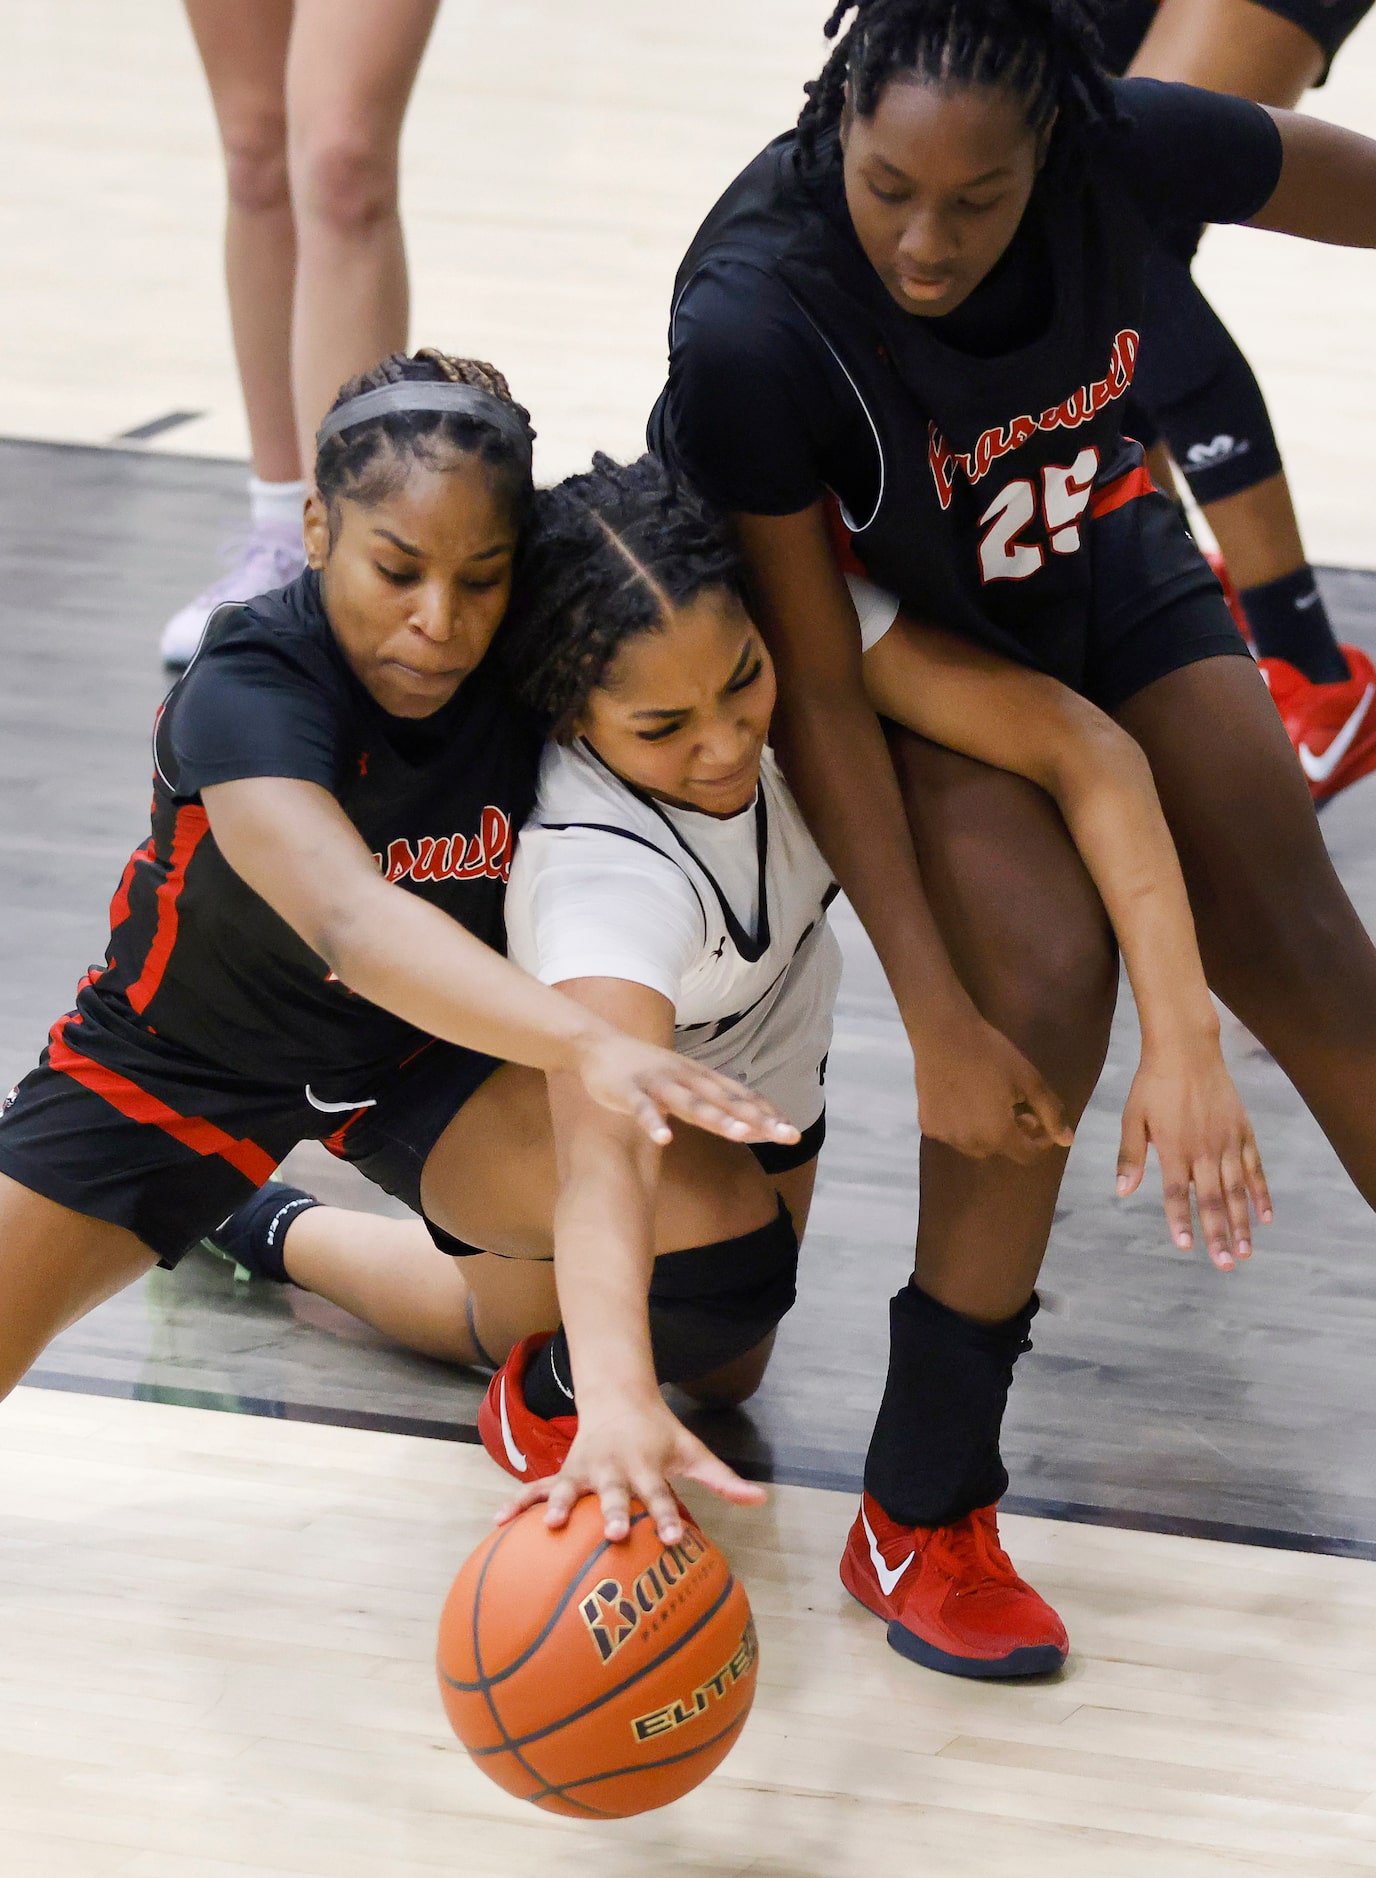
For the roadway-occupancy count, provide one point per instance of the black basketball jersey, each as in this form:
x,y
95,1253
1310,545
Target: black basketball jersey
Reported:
x,y
195,955
973,455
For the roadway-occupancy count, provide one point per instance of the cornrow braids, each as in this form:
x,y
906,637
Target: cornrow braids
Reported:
x,y
1045,51
367,461
609,555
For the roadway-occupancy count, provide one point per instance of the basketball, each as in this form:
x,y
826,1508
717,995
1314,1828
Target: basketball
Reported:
x,y
596,1679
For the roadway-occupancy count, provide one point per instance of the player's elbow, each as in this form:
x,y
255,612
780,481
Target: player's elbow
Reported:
x,y
1091,755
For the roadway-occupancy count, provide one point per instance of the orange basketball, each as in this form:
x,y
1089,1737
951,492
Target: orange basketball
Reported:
x,y
594,1679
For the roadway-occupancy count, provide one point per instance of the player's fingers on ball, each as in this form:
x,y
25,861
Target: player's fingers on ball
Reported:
x,y
530,1495
1255,1175
659,1502
562,1492
615,1501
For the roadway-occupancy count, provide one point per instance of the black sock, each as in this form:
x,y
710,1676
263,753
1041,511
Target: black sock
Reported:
x,y
934,1455
255,1235
1290,621
548,1382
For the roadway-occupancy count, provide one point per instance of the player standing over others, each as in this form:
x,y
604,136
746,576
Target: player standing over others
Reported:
x,y
1195,392
307,944
927,299
309,97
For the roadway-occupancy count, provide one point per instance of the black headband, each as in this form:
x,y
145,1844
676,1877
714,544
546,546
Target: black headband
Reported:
x,y
411,394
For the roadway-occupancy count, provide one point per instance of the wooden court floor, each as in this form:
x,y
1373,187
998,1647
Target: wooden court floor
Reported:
x,y
217,1663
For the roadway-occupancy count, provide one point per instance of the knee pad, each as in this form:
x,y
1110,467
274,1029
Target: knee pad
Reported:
x,y
711,1304
1199,389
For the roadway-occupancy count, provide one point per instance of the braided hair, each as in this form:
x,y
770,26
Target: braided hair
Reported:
x,y
609,555
368,461
1045,51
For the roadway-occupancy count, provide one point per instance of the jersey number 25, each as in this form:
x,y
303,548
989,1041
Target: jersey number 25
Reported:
x,y
1064,496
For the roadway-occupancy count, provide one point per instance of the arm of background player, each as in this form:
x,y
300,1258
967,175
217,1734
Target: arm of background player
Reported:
x,y
1183,1099
629,1441
295,847
1327,187
970,1079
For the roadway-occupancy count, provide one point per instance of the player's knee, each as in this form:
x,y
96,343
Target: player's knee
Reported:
x,y
256,162
714,1304
1055,996
733,1383
344,183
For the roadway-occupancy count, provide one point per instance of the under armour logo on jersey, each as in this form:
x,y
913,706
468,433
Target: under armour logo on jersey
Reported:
x,y
363,762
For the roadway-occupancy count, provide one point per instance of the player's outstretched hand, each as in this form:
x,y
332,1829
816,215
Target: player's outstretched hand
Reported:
x,y
632,1452
978,1093
649,1084
1184,1104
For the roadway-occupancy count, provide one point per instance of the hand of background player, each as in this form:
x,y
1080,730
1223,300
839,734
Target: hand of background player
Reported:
x,y
631,1451
978,1093
647,1083
1184,1104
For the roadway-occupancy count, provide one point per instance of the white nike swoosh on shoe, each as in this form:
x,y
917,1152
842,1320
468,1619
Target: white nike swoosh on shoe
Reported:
x,y
1319,768
513,1453
888,1575
1306,600
337,1108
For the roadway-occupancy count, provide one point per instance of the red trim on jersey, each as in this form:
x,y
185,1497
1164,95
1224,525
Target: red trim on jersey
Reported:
x,y
1125,488
847,559
119,906
188,831
193,1131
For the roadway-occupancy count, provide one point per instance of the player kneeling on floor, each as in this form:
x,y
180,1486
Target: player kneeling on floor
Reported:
x,y
306,944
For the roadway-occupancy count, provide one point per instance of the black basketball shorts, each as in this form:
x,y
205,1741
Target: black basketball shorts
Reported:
x,y
129,1128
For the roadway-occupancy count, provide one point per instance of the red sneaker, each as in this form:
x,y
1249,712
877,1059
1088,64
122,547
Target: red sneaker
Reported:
x,y
1230,593
524,1444
1333,727
950,1595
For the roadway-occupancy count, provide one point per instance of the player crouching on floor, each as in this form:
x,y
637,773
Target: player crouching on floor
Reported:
x,y
666,881
266,981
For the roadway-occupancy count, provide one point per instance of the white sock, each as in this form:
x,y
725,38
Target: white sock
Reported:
x,y
277,504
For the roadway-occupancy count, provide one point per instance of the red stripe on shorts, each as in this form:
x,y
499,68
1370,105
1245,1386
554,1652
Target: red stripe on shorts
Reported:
x,y
193,1131
1125,488
119,906
191,827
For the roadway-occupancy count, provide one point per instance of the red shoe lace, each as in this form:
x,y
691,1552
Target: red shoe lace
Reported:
x,y
973,1546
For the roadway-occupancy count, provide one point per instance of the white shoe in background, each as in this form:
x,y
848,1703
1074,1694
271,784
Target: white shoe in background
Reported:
x,y
267,555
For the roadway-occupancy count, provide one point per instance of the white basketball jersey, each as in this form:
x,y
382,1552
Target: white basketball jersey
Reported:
x,y
726,917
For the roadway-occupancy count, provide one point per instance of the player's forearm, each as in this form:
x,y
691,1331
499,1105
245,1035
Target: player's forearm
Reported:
x,y
604,1251
1108,799
837,763
1327,187
392,948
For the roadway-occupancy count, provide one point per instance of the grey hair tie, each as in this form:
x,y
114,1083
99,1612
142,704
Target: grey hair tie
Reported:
x,y
422,395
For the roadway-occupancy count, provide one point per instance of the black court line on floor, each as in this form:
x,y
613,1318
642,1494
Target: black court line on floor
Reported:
x,y
1157,1398
790,1473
